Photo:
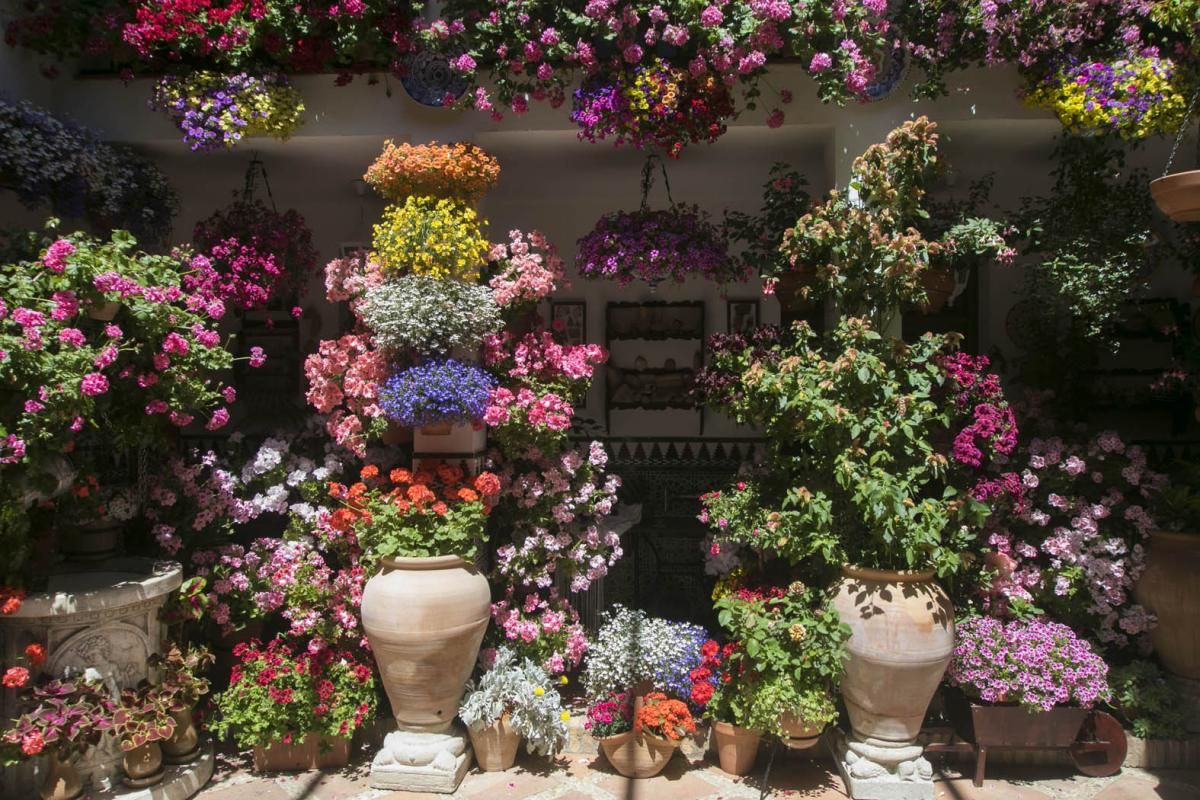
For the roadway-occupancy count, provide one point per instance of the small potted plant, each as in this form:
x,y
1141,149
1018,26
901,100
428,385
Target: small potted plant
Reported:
x,y
726,702
182,685
656,731
513,701
67,717
297,709
458,171
1030,682
142,721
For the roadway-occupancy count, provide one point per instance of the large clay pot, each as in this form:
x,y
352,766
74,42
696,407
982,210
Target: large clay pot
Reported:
x,y
902,636
1178,195
425,618
736,747
495,745
1170,589
799,733
61,780
97,541
143,766
184,744
637,755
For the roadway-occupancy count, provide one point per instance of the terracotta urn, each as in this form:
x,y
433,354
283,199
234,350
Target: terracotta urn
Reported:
x,y
1169,588
143,766
799,733
61,780
737,747
901,640
1178,195
425,619
939,288
495,745
637,755
314,751
184,743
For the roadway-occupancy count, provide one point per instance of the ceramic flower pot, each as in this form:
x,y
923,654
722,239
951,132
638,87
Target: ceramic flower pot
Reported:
x,y
184,744
737,748
425,619
396,434
637,755
61,780
495,745
1168,589
1178,195
143,766
799,733
939,288
901,640
303,754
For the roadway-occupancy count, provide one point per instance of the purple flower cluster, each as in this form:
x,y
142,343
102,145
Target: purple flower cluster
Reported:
x,y
1032,662
438,390
654,245
215,111
719,383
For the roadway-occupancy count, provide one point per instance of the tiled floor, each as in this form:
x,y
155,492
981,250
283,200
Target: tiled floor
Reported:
x,y
795,777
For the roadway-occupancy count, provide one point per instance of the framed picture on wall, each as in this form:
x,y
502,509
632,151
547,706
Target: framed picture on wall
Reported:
x,y
571,318
742,316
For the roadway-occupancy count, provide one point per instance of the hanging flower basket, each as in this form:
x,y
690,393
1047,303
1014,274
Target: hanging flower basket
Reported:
x,y
656,245
1178,195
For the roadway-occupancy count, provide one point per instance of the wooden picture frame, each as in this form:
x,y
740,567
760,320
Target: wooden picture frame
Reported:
x,y
741,316
573,316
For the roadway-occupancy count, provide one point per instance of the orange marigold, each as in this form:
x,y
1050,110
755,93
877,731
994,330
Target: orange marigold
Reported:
x,y
468,495
448,473
342,519
400,475
460,170
419,493
440,508
368,472
357,490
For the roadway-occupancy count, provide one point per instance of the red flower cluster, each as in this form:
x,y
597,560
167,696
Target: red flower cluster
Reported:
x,y
429,489
11,599
663,717
704,676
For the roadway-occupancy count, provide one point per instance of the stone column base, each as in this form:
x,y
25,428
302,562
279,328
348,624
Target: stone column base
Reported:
x,y
878,770
421,762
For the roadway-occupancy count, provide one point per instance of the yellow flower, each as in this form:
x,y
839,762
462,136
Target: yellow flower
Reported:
x,y
539,691
562,679
565,716
427,236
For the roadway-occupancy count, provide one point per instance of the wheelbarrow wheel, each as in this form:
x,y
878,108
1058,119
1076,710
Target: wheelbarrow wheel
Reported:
x,y
1100,749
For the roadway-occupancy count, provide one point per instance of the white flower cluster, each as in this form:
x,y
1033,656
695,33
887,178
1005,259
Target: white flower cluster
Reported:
x,y
430,316
632,647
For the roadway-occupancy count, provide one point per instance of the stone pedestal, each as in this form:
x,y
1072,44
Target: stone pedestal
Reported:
x,y
875,769
103,616
421,762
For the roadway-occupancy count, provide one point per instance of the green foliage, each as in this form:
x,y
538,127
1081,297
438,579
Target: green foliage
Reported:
x,y
1177,506
526,693
182,675
142,716
856,437
1143,695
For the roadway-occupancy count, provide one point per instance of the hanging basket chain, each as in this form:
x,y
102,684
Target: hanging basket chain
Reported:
x,y
648,180
1183,127
257,166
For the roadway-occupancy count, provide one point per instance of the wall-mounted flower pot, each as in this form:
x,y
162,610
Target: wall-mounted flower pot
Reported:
x,y
449,440
495,745
637,755
1178,195
737,747
939,288
305,754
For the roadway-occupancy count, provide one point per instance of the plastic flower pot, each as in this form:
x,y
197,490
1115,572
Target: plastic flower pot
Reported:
x,y
1178,195
303,754
637,755
495,745
737,748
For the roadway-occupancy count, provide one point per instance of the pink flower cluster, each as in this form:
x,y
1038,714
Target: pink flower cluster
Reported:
x,y
544,628
344,376
538,359
992,425
527,269
1070,542
348,279
562,528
